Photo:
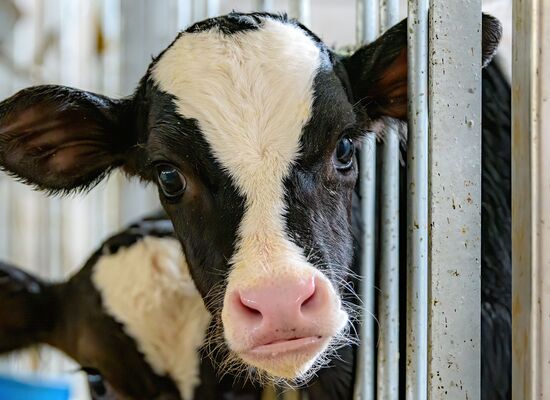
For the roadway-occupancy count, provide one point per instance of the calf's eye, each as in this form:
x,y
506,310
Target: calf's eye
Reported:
x,y
171,181
343,155
95,383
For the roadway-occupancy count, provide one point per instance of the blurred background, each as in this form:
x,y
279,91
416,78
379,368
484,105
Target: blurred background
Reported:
x,y
105,46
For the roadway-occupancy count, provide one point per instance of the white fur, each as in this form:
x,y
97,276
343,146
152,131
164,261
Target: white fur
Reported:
x,y
147,287
252,94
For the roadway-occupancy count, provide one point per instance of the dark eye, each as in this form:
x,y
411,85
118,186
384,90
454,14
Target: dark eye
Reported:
x,y
95,383
343,155
171,181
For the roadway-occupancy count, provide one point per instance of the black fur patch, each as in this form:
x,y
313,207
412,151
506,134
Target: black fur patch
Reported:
x,y
234,22
318,195
207,216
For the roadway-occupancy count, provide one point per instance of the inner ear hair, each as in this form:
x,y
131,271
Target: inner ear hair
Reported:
x,y
378,74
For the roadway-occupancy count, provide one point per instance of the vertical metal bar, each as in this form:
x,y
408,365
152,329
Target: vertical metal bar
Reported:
x,y
388,299
389,14
367,25
365,381
111,28
301,10
530,200
185,14
263,5
367,20
455,200
212,8
6,86
417,202
6,82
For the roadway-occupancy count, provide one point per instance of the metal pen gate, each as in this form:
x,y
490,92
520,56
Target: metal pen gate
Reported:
x,y
443,212
442,329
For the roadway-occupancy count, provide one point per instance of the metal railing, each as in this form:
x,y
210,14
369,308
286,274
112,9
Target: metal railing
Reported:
x,y
443,212
531,200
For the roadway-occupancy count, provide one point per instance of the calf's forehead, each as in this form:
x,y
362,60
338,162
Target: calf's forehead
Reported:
x,y
251,93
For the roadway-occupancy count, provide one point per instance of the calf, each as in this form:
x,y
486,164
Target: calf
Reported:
x,y
248,124
131,317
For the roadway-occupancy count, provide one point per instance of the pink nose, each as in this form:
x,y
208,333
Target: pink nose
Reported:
x,y
280,310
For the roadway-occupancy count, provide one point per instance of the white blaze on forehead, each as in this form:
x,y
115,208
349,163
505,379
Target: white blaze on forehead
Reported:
x,y
251,93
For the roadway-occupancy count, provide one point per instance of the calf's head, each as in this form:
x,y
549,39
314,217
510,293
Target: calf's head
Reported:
x,y
248,124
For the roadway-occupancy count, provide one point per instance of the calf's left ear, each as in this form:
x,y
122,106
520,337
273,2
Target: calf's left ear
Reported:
x,y
58,138
377,72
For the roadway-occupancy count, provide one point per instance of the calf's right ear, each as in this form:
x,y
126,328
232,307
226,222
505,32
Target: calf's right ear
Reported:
x,y
58,138
377,72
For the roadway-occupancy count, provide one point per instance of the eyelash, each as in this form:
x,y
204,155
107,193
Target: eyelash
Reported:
x,y
354,132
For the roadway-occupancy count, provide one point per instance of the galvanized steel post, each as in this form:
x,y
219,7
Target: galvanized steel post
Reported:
x,y
263,5
367,20
530,201
367,30
417,202
301,10
454,200
388,298
6,82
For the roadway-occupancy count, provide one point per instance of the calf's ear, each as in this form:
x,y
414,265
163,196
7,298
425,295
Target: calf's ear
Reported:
x,y
28,310
377,72
58,138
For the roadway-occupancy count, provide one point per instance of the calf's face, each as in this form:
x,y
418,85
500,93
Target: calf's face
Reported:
x,y
267,162
248,124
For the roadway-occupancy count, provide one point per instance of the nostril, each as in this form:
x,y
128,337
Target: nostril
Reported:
x,y
248,307
309,301
308,290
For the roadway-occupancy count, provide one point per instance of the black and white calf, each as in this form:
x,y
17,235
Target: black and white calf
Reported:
x,y
248,124
131,317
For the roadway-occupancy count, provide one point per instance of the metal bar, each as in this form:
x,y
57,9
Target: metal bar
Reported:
x,y
454,94
212,8
263,5
185,14
388,299
6,82
365,380
417,202
199,10
203,9
530,199
389,14
301,10
367,20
